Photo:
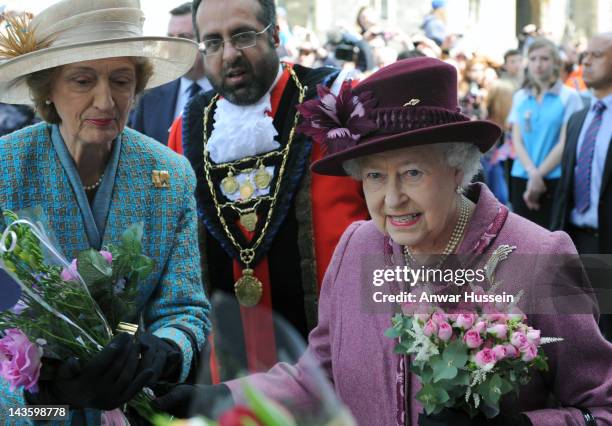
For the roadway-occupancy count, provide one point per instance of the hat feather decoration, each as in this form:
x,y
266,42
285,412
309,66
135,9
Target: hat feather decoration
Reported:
x,y
18,37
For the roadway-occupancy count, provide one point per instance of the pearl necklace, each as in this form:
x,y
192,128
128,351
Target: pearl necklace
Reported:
x,y
454,239
95,185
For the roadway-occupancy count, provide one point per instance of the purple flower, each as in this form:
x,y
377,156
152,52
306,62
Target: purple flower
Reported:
x,y
107,255
70,273
20,360
19,307
337,122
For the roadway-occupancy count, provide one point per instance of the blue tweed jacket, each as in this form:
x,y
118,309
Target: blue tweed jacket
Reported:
x,y
172,301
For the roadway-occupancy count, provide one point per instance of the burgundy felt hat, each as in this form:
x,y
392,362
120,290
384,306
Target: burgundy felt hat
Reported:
x,y
408,103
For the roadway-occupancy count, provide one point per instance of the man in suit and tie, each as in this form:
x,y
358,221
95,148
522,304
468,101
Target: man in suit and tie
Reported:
x,y
158,107
584,207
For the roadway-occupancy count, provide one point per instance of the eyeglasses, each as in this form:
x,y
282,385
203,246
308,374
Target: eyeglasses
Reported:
x,y
239,41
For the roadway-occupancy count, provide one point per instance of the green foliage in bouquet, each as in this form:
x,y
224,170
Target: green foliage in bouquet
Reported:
x,y
61,313
468,361
114,284
70,310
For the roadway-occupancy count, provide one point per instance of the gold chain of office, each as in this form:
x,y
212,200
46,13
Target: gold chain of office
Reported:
x,y
248,288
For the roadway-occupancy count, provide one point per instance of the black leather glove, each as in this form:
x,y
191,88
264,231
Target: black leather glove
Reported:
x,y
184,400
450,417
162,356
111,378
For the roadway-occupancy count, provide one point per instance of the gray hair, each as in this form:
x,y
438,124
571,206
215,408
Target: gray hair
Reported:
x,y
458,155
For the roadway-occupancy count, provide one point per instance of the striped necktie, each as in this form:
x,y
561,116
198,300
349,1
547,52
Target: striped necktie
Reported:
x,y
582,180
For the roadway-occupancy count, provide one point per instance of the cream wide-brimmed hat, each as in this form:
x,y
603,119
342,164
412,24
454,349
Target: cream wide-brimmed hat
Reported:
x,y
81,30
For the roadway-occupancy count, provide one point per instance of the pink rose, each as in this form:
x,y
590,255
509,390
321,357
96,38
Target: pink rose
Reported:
x,y
70,273
485,359
430,328
20,360
511,351
519,339
480,326
533,336
498,330
529,352
107,255
499,351
472,339
465,321
445,331
439,317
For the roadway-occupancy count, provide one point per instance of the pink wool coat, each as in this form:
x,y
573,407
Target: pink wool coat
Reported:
x,y
349,346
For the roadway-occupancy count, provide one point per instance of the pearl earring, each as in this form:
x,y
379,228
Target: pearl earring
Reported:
x,y
47,102
459,189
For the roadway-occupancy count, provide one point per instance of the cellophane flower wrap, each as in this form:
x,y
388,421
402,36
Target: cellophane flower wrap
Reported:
x,y
67,309
469,359
258,411
251,402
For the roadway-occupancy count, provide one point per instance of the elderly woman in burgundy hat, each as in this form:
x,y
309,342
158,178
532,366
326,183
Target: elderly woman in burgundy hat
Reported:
x,y
400,133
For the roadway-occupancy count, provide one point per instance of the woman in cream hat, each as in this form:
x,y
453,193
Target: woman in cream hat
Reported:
x,y
81,64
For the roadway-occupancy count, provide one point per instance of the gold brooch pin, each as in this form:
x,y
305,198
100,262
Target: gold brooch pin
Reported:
x,y
161,178
412,102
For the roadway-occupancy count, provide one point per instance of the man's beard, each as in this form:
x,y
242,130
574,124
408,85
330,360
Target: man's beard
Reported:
x,y
255,87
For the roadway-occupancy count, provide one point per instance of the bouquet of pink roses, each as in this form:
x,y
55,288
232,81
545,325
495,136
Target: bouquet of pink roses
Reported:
x,y
468,360
66,309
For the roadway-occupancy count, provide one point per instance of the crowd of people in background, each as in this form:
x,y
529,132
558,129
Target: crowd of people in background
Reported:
x,y
531,94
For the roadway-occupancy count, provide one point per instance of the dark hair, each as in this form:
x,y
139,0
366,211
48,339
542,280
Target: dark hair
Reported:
x,y
511,52
41,84
266,16
357,21
408,54
181,10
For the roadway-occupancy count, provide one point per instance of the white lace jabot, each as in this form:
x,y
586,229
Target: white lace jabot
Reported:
x,y
242,130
